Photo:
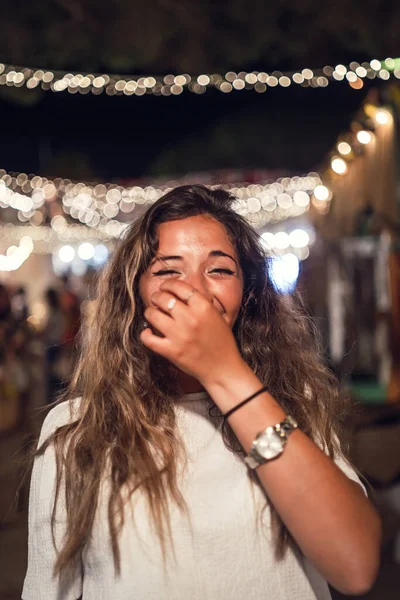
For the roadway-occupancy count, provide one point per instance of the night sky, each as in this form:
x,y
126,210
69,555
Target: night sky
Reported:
x,y
118,137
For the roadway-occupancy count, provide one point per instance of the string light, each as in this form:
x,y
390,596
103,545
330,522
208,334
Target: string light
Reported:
x,y
296,241
67,246
133,85
299,238
105,207
380,115
46,240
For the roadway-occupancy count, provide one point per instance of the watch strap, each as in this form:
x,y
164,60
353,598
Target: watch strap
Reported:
x,y
253,459
286,427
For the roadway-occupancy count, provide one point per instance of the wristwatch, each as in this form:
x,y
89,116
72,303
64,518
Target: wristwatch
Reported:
x,y
270,443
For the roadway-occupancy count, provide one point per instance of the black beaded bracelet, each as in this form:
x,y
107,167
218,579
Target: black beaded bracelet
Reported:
x,y
232,410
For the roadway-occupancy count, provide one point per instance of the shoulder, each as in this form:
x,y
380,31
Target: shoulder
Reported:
x,y
62,414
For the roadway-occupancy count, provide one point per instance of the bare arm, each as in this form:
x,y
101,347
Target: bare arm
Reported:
x,y
328,515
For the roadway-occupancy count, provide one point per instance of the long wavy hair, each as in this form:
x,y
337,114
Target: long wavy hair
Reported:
x,y
125,425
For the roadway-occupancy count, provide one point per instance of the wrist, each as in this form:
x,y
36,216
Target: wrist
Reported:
x,y
232,385
227,376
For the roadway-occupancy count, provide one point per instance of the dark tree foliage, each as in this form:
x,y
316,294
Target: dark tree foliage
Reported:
x,y
194,35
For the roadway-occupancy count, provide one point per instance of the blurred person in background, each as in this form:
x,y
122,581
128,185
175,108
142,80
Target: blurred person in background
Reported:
x,y
6,315
19,304
52,337
198,454
14,380
8,389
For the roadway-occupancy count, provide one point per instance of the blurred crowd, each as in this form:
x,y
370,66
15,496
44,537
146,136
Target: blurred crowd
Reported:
x,y
35,356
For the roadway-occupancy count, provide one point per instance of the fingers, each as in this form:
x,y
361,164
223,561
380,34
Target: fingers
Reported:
x,y
154,342
159,320
168,303
185,292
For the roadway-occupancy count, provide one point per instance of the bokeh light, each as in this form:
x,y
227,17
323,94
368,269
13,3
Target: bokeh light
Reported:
x,y
344,148
284,271
382,116
364,137
339,166
66,254
321,192
86,251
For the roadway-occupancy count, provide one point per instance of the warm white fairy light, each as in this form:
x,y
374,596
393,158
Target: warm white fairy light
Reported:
x,y
341,69
298,238
322,193
282,240
382,116
66,253
268,240
344,148
339,165
364,137
375,65
284,200
86,251
301,198
361,72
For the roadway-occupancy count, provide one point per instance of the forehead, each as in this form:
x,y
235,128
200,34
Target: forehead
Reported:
x,y
201,231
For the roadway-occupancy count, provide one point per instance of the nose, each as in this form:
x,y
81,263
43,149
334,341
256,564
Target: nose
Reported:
x,y
199,282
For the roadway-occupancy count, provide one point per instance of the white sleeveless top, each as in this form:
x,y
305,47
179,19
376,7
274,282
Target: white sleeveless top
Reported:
x,y
221,553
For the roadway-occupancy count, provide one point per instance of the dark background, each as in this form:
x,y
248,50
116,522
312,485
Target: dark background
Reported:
x,y
105,138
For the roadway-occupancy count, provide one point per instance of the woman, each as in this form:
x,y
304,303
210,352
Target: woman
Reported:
x,y
159,493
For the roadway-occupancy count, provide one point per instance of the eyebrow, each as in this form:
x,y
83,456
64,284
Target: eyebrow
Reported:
x,y
213,253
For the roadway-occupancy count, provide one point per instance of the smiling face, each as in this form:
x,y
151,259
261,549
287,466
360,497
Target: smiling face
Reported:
x,y
197,250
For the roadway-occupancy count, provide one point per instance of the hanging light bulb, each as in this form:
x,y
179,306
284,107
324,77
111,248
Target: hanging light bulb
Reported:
x,y
344,148
322,193
382,116
364,137
339,165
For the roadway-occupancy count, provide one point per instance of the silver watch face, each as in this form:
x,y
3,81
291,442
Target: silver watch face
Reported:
x,y
269,444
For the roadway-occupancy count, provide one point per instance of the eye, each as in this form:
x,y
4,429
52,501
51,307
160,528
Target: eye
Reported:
x,y
166,272
223,271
